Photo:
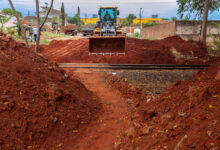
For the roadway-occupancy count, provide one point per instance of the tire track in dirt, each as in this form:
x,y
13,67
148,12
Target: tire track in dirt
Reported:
x,y
105,134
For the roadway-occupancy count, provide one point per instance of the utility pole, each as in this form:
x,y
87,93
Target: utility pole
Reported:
x,y
204,23
78,11
85,17
140,16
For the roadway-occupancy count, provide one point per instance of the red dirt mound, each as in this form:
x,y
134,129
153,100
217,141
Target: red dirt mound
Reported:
x,y
171,50
186,117
40,106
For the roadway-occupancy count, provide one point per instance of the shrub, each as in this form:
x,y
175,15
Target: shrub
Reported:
x,y
10,31
217,44
214,25
149,24
215,47
136,35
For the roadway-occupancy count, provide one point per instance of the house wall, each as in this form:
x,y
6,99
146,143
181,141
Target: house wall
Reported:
x,y
135,21
146,20
89,20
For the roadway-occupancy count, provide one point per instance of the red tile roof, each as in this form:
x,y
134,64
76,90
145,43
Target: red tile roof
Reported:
x,y
3,13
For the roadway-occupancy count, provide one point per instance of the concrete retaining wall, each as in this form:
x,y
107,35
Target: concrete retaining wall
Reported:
x,y
186,29
191,30
159,31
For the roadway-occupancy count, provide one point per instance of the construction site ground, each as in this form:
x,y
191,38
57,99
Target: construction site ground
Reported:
x,y
172,50
43,106
116,123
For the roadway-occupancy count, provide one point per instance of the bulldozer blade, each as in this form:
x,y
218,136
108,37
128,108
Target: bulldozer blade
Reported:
x,y
107,44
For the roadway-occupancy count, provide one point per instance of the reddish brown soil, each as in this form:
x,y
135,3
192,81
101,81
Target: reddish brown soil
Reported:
x,y
40,106
138,51
186,117
105,134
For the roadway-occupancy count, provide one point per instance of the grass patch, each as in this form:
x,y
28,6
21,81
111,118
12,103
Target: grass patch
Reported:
x,y
136,35
45,42
214,48
54,35
145,25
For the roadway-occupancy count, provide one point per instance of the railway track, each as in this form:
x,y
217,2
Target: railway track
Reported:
x,y
132,66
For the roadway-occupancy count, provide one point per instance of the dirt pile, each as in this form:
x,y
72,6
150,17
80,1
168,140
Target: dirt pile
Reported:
x,y
40,106
186,117
171,50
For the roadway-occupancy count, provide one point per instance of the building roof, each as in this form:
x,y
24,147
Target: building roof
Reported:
x,y
28,18
3,14
53,11
34,19
23,21
109,7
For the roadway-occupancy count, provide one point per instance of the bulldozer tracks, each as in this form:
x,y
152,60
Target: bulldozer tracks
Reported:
x,y
133,66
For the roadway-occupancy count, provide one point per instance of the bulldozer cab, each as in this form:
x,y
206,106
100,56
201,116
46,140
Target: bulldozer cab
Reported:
x,y
108,14
108,35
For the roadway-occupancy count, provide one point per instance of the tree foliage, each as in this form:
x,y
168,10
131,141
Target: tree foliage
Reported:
x,y
125,22
78,11
62,14
18,28
74,20
195,7
130,18
54,20
3,20
9,11
174,18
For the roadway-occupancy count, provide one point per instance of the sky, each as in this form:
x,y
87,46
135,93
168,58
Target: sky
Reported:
x,y
164,8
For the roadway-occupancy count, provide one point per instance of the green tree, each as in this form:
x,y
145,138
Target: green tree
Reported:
x,y
74,20
130,18
3,20
55,20
78,11
195,7
199,8
9,11
18,28
125,22
10,31
174,18
62,14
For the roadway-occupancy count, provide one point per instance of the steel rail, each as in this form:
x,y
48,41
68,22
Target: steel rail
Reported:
x,y
133,66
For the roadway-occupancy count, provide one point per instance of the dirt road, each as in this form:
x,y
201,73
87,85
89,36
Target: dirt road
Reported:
x,y
106,133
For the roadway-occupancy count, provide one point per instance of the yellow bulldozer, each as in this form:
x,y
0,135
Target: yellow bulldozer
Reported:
x,y
108,36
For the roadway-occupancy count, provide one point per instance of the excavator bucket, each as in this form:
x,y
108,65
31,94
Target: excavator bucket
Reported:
x,y
113,44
